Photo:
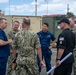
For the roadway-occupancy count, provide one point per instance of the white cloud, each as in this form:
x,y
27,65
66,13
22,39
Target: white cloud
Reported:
x,y
72,7
54,7
33,3
21,8
4,1
57,7
54,1
40,1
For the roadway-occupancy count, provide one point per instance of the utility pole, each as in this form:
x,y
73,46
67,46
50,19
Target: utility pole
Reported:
x,y
47,6
35,7
9,7
67,8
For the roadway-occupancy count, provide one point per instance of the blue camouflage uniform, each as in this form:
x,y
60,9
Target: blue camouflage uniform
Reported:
x,y
45,41
4,53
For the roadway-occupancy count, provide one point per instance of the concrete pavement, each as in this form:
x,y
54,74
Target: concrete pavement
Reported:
x,y
53,57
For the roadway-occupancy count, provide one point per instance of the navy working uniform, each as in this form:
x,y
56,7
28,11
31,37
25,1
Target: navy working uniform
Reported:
x,y
45,41
66,41
4,53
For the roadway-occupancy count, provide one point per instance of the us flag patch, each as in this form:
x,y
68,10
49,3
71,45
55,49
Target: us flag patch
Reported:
x,y
61,38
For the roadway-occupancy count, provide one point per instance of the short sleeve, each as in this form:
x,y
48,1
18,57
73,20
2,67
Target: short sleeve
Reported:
x,y
61,43
37,42
10,35
52,37
1,35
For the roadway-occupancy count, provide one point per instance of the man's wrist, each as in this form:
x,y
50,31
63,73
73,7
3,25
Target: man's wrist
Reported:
x,y
41,61
57,59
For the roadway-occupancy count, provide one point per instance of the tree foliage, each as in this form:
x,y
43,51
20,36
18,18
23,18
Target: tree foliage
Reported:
x,y
70,14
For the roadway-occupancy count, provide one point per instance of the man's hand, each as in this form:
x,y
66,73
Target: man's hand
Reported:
x,y
42,64
50,47
10,41
14,65
58,63
2,42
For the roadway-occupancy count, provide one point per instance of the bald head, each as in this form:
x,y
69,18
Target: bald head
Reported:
x,y
26,21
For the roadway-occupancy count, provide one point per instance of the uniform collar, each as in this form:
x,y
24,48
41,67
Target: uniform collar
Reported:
x,y
66,29
15,31
44,32
1,29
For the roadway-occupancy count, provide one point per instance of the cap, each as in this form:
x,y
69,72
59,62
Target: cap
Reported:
x,y
64,20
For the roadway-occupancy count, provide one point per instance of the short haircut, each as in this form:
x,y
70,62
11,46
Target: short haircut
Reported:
x,y
1,19
46,24
17,22
72,18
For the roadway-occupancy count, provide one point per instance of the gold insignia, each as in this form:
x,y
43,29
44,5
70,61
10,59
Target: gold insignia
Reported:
x,y
60,42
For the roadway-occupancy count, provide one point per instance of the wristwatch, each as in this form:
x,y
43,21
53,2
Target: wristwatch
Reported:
x,y
57,59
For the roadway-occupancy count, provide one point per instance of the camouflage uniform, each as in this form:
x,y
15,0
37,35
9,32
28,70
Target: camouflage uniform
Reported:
x,y
26,42
11,35
74,66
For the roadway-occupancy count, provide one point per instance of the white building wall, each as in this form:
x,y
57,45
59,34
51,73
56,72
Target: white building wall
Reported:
x,y
36,22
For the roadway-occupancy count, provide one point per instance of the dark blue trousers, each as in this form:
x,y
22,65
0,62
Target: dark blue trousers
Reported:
x,y
47,59
3,64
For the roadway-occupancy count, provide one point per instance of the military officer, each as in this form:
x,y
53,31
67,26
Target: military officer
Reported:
x,y
73,29
11,60
26,42
65,45
47,41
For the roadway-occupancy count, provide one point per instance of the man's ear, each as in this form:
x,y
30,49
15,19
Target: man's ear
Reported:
x,y
22,25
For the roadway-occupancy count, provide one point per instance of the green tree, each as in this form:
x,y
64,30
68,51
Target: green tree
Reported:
x,y
70,14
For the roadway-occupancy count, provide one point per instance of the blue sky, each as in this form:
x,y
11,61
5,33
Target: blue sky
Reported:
x,y
27,7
